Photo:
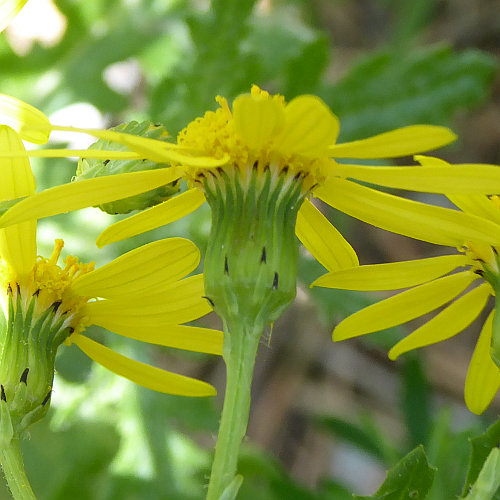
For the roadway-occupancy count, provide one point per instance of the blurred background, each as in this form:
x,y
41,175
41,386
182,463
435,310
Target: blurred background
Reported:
x,y
327,419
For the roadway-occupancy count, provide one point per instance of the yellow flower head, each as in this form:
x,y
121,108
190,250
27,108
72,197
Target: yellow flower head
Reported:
x,y
140,295
433,283
263,132
263,136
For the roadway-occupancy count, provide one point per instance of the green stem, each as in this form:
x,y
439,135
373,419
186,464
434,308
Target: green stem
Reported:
x,y
242,343
13,468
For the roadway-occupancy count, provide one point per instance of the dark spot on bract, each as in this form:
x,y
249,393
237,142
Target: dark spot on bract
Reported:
x,y
275,282
47,397
24,376
263,258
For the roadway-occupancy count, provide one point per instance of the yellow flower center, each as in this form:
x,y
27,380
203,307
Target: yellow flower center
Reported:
x,y
216,134
51,285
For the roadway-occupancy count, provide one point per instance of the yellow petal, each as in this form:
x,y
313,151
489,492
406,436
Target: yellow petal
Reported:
x,y
310,127
9,10
147,312
159,215
437,225
473,204
322,239
392,276
30,123
141,270
141,373
461,179
483,376
404,306
86,193
400,142
450,321
257,119
18,242
155,150
189,338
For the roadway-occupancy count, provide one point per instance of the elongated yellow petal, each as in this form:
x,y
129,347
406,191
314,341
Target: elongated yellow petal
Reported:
x,y
473,204
141,270
461,179
18,242
94,154
153,217
148,312
452,320
30,123
404,306
141,373
9,10
155,150
437,225
257,119
86,193
483,376
392,276
323,240
189,338
400,142
310,127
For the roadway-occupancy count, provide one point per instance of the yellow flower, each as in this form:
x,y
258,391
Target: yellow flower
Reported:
x,y
139,295
433,283
263,132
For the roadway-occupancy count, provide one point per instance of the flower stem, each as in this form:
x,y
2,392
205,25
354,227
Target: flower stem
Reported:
x,y
13,468
240,350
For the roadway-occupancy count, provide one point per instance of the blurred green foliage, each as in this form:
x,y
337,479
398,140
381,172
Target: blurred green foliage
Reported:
x,y
106,439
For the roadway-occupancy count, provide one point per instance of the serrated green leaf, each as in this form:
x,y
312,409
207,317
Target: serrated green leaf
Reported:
x,y
392,89
481,447
409,479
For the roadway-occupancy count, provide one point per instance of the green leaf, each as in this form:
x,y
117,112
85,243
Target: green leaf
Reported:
x,y
366,437
409,479
310,64
394,88
415,400
481,446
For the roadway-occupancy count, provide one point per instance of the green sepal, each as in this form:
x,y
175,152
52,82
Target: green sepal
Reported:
x,y
6,427
252,253
91,168
410,478
28,345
